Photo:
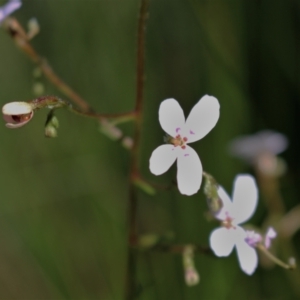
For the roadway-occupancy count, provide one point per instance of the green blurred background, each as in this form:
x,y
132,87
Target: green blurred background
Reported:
x,y
63,208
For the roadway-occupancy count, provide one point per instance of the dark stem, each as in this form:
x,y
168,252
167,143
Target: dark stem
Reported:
x,y
134,164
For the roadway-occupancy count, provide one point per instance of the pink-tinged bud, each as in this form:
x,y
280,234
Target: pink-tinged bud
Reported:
x,y
270,235
253,238
191,276
17,114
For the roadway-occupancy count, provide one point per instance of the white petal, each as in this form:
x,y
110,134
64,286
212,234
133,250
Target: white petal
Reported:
x,y
171,117
226,210
245,195
202,118
189,171
222,241
162,159
247,257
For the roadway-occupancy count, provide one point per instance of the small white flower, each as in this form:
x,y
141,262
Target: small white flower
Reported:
x,y
202,118
9,8
232,214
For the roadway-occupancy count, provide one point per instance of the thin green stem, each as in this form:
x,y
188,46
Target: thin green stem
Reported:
x,y
56,102
275,259
21,39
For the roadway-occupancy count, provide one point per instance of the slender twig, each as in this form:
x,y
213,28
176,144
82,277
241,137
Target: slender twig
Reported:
x,y
56,102
19,36
140,79
21,39
276,260
134,168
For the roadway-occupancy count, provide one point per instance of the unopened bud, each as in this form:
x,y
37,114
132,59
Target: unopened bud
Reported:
x,y
38,88
145,186
51,126
148,240
50,132
33,28
270,235
292,262
211,192
17,114
191,275
127,142
109,130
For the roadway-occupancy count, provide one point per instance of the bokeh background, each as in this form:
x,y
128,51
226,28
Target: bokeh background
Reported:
x,y
63,208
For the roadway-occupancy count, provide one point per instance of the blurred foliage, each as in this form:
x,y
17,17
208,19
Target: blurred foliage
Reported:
x,y
63,209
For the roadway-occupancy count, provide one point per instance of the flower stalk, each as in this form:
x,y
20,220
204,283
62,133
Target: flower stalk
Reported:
x,y
288,266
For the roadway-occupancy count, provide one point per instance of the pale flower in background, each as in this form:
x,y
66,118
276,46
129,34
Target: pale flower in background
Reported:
x,y
9,8
201,120
261,150
248,147
232,214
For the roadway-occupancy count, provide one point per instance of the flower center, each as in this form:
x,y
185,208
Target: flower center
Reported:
x,y
179,141
227,222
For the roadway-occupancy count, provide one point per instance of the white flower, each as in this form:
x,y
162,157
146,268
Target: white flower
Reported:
x,y
232,214
202,118
9,8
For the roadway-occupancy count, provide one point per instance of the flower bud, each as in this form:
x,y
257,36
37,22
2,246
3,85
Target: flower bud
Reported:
x,y
51,126
211,192
191,275
33,28
110,131
17,114
147,241
127,142
270,235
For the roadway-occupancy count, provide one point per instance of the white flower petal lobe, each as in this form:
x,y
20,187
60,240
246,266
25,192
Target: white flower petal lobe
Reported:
x,y
247,257
162,159
189,171
227,204
245,196
202,118
171,117
222,241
